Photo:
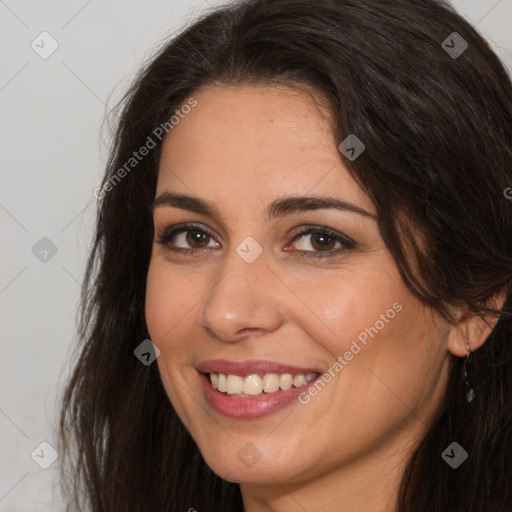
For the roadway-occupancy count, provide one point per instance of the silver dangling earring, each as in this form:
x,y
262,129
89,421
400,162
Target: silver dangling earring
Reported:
x,y
470,394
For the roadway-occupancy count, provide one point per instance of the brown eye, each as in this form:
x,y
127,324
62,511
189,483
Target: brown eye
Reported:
x,y
187,239
320,242
194,237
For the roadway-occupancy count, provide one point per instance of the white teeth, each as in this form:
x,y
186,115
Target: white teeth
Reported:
x,y
299,380
271,382
253,384
222,386
285,381
234,385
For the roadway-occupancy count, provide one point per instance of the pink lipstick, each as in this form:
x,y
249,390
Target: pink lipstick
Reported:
x,y
253,388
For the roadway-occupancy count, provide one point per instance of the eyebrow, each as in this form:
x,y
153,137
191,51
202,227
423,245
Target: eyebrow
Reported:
x,y
278,208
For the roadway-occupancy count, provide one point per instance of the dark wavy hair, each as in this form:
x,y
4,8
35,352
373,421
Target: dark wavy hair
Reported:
x,y
437,130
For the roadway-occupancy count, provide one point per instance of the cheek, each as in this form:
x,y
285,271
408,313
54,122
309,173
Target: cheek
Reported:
x,y
157,302
170,298
351,305
389,353
169,303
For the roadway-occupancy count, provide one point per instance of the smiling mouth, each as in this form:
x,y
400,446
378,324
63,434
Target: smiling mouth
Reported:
x,y
258,384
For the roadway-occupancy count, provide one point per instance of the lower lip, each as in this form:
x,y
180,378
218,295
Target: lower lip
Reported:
x,y
249,407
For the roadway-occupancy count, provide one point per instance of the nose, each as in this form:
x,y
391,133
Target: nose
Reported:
x,y
244,299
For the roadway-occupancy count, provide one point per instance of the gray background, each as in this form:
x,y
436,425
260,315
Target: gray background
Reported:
x,y
54,147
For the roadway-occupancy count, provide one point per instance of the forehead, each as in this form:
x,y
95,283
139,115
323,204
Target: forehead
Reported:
x,y
266,141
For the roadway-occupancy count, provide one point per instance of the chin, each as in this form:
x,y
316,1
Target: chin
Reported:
x,y
241,468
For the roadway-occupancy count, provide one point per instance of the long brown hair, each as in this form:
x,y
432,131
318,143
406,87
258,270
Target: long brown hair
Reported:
x,y
437,130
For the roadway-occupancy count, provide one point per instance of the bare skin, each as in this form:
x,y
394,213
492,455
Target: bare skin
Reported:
x,y
240,149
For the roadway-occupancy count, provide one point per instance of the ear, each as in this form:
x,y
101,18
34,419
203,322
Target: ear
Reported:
x,y
473,328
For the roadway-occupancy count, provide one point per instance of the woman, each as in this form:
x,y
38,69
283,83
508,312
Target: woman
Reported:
x,y
299,291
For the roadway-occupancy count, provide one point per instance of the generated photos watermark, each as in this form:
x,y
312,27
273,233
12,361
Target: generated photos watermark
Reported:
x,y
343,360
158,133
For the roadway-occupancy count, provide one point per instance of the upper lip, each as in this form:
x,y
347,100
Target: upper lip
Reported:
x,y
249,367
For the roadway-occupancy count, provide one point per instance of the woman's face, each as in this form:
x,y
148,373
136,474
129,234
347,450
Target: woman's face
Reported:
x,y
272,292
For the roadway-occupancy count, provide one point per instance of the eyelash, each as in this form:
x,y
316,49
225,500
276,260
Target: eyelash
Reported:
x,y
167,235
